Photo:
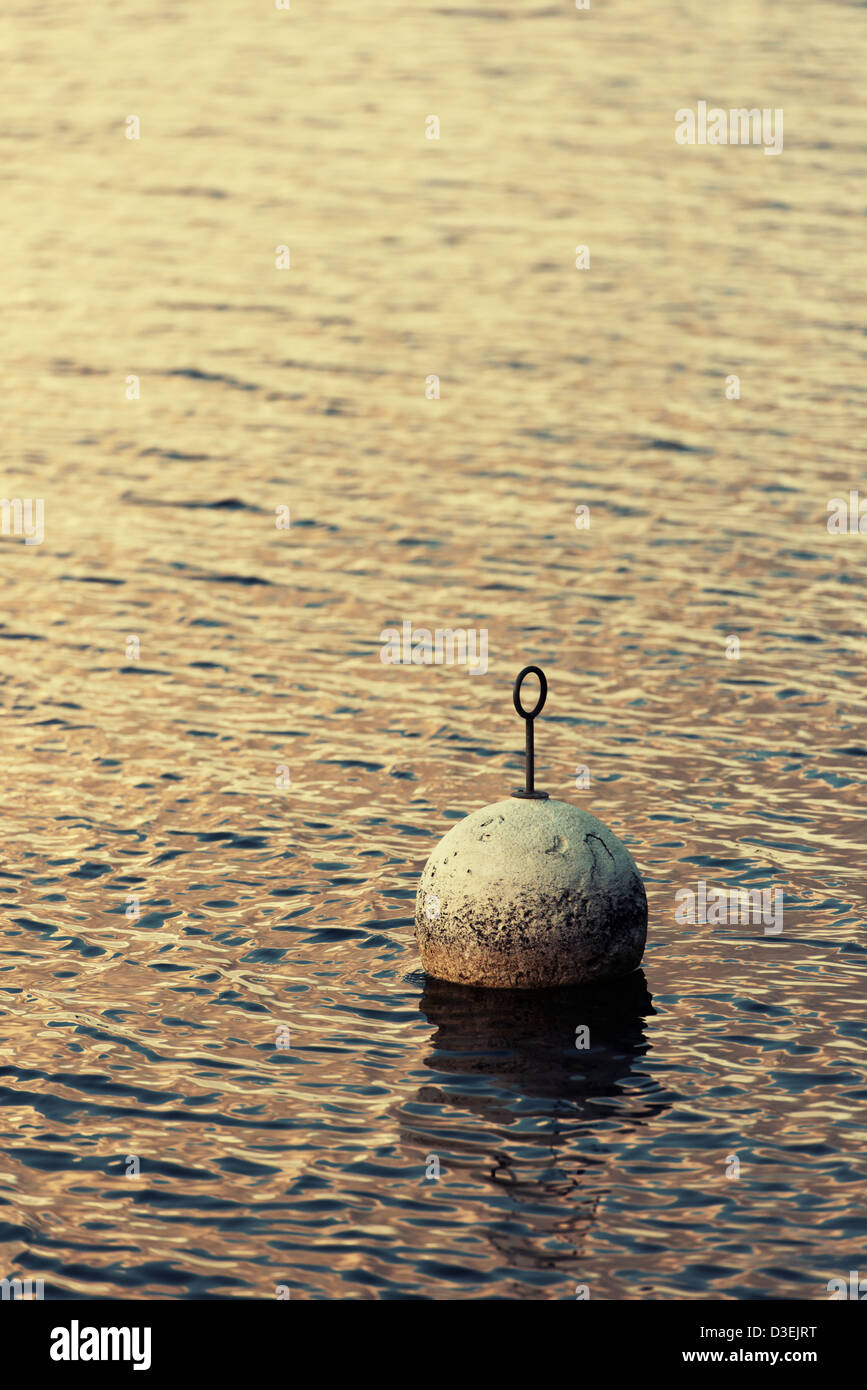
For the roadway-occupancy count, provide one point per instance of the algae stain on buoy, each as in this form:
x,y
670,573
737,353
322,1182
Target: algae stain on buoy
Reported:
x,y
530,893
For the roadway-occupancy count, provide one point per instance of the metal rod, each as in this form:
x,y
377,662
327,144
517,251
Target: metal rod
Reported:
x,y
529,793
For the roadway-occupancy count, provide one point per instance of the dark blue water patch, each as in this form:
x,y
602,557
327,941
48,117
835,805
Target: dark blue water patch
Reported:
x,y
351,762
611,598
222,504
229,836
233,998
328,934
797,1083
91,579
95,1083
549,436
60,1110
221,378
793,1049
744,680
677,446
246,580
91,869
85,949
31,924
128,1276
832,779
714,861
152,921
754,1006
472,748
286,733
310,523
619,509
175,454
291,916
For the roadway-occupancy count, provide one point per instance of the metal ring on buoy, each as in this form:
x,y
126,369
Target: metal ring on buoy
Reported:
x,y
543,692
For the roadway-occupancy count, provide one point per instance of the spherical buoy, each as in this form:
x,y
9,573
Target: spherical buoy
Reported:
x,y
530,893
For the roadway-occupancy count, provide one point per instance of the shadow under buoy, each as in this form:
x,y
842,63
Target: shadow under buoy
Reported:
x,y
520,1117
523,1042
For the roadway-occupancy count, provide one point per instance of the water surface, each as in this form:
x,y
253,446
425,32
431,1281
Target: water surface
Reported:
x,y
149,782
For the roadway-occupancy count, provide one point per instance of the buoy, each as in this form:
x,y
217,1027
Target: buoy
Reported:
x,y
530,893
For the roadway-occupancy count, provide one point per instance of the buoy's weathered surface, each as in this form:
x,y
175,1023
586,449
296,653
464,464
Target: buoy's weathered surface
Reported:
x,y
529,894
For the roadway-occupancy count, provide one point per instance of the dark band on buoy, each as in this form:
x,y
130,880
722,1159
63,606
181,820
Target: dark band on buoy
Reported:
x,y
529,793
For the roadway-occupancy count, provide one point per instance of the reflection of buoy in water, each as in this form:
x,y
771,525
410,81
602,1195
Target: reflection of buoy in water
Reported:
x,y
530,893
522,1042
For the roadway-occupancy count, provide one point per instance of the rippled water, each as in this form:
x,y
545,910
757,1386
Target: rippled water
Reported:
x,y
154,777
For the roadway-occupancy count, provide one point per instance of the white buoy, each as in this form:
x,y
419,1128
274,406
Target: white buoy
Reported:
x,y
530,893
